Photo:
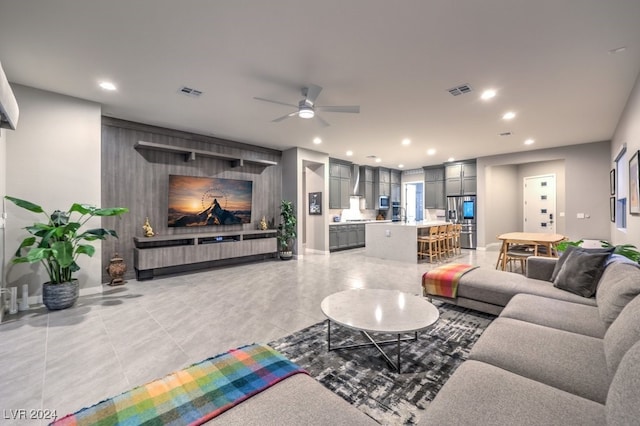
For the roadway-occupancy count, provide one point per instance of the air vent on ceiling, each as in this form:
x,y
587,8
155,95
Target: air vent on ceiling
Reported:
x,y
190,92
460,90
505,134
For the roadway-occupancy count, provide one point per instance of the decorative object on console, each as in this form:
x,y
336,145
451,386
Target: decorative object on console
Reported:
x,y
148,230
315,203
204,201
263,224
57,242
116,270
287,230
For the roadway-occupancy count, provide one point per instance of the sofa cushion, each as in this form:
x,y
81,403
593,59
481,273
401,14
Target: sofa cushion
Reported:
x,y
570,249
569,361
581,272
297,400
482,394
560,314
619,284
622,402
498,287
623,333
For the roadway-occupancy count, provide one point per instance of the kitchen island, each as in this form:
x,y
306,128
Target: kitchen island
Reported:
x,y
395,240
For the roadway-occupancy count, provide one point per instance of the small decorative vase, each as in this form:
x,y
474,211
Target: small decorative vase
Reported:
x,y
60,296
116,270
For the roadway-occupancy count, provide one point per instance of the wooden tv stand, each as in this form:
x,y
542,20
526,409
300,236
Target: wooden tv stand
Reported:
x,y
190,251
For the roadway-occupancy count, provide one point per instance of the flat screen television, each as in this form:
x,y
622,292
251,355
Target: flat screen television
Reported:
x,y
204,201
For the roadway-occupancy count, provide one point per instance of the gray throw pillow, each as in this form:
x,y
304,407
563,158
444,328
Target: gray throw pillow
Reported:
x,y
571,249
580,272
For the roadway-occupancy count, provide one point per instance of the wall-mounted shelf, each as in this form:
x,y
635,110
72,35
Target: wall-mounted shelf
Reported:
x,y
191,154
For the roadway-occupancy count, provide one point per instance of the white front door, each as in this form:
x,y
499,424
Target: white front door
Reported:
x,y
539,209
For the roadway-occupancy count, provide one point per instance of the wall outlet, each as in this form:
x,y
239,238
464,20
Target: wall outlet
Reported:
x,y
580,215
387,233
2,222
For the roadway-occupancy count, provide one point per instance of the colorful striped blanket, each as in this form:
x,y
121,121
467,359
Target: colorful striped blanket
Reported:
x,y
443,280
194,395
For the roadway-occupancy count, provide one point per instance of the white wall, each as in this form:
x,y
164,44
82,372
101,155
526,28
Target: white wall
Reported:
x,y
628,132
501,201
586,169
54,161
3,192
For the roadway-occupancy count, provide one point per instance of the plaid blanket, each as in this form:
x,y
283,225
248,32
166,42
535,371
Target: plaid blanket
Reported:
x,y
443,280
194,395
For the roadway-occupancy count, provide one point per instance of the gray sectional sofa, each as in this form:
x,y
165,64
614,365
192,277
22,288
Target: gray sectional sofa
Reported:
x,y
550,358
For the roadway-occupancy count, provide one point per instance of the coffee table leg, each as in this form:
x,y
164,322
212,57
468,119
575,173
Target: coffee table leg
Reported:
x,y
329,335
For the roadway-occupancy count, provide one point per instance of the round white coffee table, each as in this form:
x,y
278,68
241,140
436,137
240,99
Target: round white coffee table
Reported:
x,y
379,311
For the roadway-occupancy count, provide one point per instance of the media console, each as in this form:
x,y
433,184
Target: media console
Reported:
x,y
189,251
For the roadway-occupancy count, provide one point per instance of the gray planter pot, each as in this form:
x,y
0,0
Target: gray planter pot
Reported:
x,y
60,296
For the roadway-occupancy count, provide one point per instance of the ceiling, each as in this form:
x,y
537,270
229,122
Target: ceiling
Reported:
x,y
548,60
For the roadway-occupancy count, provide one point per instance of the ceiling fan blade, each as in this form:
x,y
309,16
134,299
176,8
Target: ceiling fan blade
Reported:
x,y
322,121
279,119
275,102
311,94
354,109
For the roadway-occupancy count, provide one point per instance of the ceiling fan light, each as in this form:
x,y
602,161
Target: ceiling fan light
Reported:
x,y
306,112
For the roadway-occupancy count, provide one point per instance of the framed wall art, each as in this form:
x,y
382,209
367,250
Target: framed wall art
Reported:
x,y
612,182
612,209
634,185
315,203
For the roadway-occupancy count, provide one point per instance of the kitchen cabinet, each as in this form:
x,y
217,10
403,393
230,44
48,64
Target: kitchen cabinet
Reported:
x,y
382,184
346,236
339,184
366,187
396,178
460,178
434,181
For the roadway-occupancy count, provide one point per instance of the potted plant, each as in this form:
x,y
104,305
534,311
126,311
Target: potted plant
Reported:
x,y
57,242
286,230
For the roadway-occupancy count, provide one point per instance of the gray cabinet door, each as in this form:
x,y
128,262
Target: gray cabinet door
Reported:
x,y
352,235
345,171
453,171
396,177
334,169
369,200
452,186
395,192
434,195
343,237
345,192
469,170
333,237
361,235
433,174
468,185
335,201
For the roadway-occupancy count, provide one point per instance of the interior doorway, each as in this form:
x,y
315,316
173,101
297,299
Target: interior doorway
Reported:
x,y
539,209
414,201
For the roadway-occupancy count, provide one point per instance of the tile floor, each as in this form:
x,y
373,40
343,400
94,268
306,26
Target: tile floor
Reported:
x,y
129,335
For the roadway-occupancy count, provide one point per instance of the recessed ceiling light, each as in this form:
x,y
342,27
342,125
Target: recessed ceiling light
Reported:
x,y
378,160
317,141
349,153
488,94
450,159
406,141
508,115
431,151
529,141
107,85
400,166
617,50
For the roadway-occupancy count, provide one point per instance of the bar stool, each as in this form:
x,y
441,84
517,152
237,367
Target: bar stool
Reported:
x,y
428,244
457,229
443,241
451,251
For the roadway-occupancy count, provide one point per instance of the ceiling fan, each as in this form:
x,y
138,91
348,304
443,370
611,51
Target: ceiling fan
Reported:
x,y
307,108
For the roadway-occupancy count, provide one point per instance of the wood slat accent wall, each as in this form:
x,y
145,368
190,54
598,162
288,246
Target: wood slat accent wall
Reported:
x,y
138,180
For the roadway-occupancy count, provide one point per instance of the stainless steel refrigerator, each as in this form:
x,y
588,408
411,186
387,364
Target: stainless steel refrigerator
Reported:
x,y
463,210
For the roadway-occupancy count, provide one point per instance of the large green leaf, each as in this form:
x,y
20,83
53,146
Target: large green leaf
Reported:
x,y
113,211
27,242
81,208
25,204
63,253
86,249
37,254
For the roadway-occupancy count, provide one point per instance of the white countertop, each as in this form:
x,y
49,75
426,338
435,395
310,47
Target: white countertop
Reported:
x,y
356,222
416,224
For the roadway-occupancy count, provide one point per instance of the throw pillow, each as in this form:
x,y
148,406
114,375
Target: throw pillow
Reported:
x,y
581,272
571,249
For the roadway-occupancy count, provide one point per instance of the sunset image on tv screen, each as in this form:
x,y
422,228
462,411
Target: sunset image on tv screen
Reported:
x,y
203,201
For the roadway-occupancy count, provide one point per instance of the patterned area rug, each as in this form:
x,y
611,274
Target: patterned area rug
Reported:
x,y
363,378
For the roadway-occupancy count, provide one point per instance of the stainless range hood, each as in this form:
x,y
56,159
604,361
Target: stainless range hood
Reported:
x,y
8,105
355,180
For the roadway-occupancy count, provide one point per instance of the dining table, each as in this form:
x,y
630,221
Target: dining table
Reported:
x,y
535,240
